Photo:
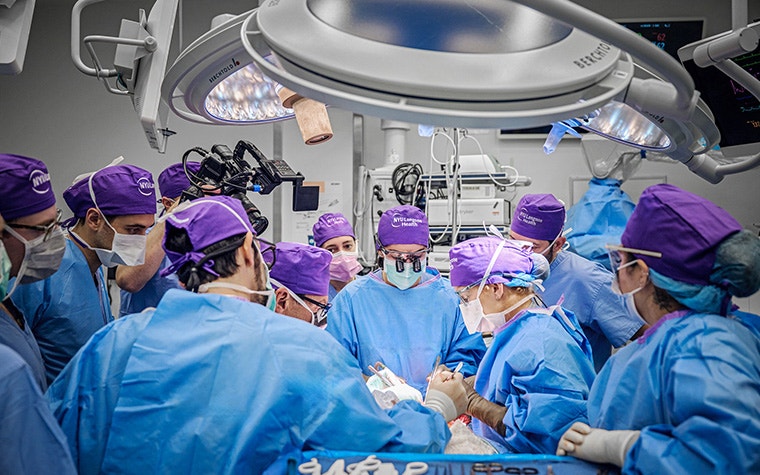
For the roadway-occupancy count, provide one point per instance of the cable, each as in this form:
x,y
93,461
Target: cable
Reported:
x,y
399,177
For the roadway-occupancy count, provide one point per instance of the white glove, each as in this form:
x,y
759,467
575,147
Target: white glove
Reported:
x,y
597,445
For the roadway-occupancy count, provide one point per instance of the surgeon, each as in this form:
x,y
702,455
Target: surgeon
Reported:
x,y
300,275
333,232
576,283
142,286
685,397
213,381
535,377
31,248
113,208
405,314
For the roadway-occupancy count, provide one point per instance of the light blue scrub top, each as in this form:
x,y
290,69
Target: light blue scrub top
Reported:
x,y
404,329
65,309
213,384
691,385
23,343
539,367
586,286
32,442
150,294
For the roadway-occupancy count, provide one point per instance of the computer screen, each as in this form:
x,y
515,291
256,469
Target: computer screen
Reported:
x,y
736,111
668,35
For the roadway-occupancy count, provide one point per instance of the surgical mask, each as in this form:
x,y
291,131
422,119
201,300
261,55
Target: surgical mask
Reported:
x,y
203,288
476,321
5,271
126,249
42,256
406,278
344,266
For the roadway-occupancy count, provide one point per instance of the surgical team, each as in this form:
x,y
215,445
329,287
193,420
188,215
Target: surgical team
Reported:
x,y
232,354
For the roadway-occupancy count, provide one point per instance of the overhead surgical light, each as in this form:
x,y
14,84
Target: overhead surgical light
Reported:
x,y
213,81
478,64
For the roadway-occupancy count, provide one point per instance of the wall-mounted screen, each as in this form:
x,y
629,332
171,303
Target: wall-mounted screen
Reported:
x,y
737,112
668,35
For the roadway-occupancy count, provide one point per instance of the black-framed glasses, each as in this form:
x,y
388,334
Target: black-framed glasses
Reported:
x,y
268,251
320,314
47,229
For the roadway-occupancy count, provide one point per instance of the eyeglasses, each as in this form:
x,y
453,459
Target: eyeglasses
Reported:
x,y
321,314
47,229
616,259
462,293
405,256
268,252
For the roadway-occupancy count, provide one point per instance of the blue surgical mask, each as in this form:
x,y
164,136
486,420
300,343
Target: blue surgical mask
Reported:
x,y
406,278
5,271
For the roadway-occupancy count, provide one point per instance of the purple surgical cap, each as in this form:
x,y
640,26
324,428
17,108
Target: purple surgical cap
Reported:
x,y
470,259
331,225
404,224
687,229
207,221
25,186
173,181
539,217
303,269
119,190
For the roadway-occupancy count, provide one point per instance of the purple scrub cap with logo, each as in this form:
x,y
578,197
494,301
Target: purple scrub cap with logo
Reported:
x,y
119,190
686,228
24,186
470,259
404,224
206,221
539,216
303,269
173,181
331,225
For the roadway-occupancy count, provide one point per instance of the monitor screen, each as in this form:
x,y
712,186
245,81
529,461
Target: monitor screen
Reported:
x,y
668,35
736,111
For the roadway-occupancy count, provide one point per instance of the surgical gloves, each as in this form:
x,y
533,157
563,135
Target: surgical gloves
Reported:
x,y
488,412
597,445
446,395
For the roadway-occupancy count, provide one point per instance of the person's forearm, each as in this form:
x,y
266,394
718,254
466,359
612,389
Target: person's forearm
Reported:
x,y
134,278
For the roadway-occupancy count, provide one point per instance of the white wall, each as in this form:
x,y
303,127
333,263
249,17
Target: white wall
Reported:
x,y
53,112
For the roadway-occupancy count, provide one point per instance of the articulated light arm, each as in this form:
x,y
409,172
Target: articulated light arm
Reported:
x,y
676,100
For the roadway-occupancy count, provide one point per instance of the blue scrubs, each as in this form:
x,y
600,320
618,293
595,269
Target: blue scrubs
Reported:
x,y
150,294
22,342
604,316
213,384
32,442
332,292
65,309
691,385
404,329
539,367
598,219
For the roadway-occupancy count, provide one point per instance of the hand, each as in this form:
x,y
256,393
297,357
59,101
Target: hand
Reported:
x,y
447,396
597,445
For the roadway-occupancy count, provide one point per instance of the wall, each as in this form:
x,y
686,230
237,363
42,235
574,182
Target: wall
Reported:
x,y
54,112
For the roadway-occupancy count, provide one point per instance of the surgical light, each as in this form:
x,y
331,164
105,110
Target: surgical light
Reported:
x,y
480,64
213,81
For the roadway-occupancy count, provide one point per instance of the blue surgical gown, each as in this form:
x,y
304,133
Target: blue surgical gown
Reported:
x,y
213,384
598,219
691,385
150,294
22,342
65,309
404,329
539,367
586,287
31,441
